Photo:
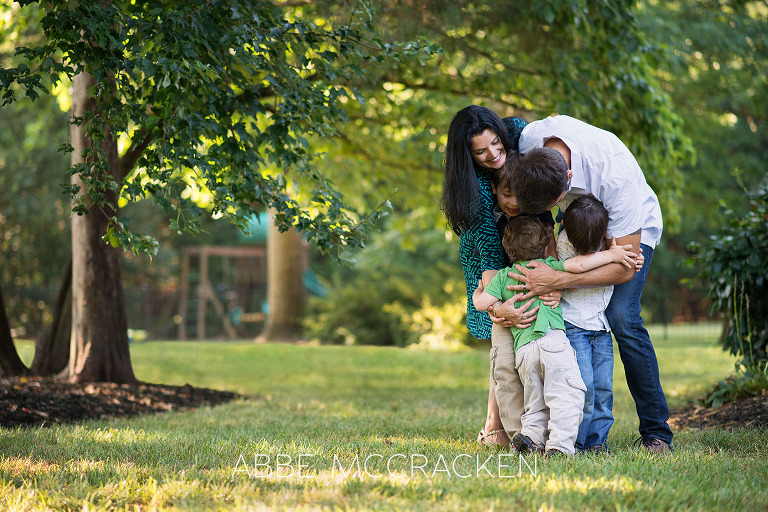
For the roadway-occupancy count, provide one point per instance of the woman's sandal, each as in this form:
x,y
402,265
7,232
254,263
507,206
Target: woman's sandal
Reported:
x,y
485,438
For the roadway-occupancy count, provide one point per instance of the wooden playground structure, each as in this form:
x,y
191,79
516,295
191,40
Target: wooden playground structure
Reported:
x,y
245,269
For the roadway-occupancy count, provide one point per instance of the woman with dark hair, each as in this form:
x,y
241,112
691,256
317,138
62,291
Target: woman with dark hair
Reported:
x,y
479,143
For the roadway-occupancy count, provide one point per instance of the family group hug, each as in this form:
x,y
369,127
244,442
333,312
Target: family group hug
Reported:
x,y
557,228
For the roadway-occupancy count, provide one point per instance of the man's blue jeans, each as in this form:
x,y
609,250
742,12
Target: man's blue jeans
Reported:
x,y
638,356
594,353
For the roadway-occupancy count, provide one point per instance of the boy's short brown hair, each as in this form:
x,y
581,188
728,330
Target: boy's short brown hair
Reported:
x,y
586,224
526,238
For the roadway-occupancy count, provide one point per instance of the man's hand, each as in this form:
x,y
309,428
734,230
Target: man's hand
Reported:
x,y
538,279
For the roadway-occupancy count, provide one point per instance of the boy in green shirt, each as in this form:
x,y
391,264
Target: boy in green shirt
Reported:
x,y
542,360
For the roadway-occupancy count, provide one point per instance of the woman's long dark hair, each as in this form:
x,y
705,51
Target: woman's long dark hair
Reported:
x,y
461,190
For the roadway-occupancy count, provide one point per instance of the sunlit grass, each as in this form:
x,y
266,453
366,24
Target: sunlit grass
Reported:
x,y
335,405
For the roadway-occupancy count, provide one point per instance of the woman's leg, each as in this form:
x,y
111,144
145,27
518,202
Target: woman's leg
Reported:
x,y
505,395
493,421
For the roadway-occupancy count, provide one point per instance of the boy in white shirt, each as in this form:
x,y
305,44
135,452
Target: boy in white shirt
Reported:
x,y
585,229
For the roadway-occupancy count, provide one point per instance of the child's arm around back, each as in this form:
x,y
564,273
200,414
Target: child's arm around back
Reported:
x,y
482,299
615,254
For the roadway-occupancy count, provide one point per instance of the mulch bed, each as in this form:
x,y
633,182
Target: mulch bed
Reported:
x,y
32,401
749,412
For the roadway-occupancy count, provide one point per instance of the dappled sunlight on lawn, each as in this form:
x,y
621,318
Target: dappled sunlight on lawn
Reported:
x,y
28,466
584,485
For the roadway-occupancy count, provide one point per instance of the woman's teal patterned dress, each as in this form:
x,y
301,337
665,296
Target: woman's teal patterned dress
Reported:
x,y
480,246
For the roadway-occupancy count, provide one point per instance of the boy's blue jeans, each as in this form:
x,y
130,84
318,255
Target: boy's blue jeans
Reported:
x,y
638,356
594,353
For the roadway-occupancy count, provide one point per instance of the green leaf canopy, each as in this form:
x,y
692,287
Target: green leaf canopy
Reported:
x,y
214,96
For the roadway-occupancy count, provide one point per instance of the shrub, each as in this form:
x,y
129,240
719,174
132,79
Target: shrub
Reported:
x,y
734,269
406,288
745,383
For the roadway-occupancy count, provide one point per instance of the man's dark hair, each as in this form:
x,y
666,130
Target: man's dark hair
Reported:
x,y
526,238
539,179
586,224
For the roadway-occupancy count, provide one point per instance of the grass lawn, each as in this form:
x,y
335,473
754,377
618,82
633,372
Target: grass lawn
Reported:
x,y
315,408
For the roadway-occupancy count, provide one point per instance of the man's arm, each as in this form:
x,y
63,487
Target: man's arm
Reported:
x,y
540,278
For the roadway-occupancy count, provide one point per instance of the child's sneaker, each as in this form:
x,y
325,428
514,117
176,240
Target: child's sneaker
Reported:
x,y
524,444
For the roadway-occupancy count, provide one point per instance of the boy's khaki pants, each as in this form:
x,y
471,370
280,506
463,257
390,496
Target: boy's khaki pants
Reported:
x,y
539,390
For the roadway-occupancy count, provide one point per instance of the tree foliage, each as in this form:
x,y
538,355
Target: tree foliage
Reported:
x,y
209,96
35,233
201,98
588,59
667,77
715,69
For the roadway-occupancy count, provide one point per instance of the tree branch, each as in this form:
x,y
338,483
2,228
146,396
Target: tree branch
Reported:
x,y
455,92
129,159
495,59
295,3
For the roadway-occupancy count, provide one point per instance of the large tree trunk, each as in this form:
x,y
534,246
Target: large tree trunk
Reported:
x,y
287,255
52,348
10,362
99,348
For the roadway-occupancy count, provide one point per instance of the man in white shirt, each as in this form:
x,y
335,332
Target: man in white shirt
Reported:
x,y
565,158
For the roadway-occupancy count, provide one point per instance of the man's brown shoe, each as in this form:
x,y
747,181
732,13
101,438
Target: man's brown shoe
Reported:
x,y
657,446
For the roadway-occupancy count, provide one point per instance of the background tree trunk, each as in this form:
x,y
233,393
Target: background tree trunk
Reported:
x,y
52,348
10,362
99,348
287,255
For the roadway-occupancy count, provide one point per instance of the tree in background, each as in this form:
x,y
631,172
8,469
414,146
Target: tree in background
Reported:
x,y
671,78
10,363
715,69
217,96
287,255
623,67
582,58
34,246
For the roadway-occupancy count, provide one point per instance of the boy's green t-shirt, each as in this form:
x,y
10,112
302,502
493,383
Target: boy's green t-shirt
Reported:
x,y
547,318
